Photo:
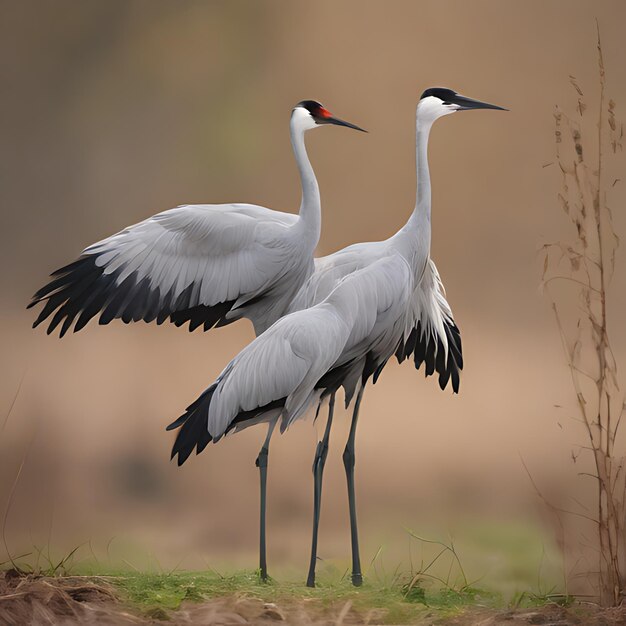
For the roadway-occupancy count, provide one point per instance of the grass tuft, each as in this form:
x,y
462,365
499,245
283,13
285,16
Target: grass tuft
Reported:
x,y
399,603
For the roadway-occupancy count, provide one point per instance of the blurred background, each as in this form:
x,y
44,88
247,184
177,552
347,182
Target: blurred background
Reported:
x,y
112,111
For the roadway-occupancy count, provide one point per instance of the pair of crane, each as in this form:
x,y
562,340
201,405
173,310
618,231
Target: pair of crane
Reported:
x,y
321,323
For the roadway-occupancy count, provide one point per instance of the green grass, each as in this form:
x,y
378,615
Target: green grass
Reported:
x,y
490,566
154,592
399,598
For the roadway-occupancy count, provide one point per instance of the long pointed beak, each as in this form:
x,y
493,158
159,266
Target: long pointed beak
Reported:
x,y
338,122
465,104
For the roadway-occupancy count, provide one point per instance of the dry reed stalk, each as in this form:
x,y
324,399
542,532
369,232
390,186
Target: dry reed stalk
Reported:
x,y
585,265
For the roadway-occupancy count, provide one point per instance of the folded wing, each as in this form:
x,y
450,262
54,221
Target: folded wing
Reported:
x,y
285,370
275,374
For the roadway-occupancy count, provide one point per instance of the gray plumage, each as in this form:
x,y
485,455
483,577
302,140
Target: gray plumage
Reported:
x,y
205,265
360,306
278,374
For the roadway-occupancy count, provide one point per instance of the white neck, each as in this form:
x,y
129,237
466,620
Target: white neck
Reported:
x,y
415,234
310,205
421,212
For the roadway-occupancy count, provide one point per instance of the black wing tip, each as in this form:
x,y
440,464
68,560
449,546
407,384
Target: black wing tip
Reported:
x,y
193,424
198,315
182,457
430,351
378,371
177,423
69,294
82,290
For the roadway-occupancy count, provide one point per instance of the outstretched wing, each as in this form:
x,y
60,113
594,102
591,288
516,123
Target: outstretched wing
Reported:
x,y
433,338
189,264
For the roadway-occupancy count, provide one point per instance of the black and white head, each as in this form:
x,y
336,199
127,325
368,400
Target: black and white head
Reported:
x,y
439,101
310,114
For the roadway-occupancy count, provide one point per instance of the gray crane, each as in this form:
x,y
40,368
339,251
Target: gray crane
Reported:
x,y
207,265
361,306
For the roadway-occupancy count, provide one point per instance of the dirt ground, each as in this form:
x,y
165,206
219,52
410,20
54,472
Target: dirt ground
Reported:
x,y
85,600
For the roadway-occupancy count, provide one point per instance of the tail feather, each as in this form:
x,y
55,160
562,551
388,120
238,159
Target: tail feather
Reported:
x,y
193,423
193,426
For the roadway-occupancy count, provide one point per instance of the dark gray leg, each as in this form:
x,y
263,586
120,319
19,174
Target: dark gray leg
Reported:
x,y
318,470
261,463
348,463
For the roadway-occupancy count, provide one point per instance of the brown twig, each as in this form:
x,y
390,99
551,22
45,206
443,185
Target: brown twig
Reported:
x,y
584,331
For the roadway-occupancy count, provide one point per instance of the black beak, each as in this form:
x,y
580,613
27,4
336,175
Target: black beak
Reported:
x,y
338,122
465,104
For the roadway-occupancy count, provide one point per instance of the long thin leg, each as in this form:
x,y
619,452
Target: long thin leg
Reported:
x,y
261,463
348,463
321,453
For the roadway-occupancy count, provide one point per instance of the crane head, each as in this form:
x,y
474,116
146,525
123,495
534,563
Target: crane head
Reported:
x,y
439,101
311,114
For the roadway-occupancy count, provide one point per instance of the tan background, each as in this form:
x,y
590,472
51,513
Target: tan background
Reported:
x,y
112,111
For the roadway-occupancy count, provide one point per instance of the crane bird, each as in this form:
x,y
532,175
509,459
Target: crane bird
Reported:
x,y
361,306
208,264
